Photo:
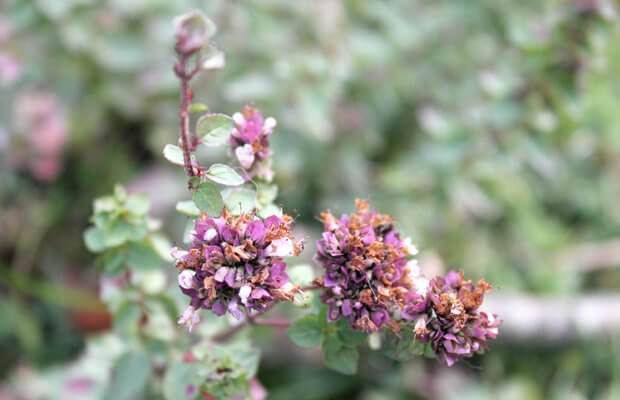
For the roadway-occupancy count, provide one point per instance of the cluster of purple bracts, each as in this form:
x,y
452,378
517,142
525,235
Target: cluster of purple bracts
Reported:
x,y
368,268
234,264
447,315
371,280
249,142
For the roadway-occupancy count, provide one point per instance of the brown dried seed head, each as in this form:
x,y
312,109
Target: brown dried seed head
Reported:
x,y
384,294
361,205
472,299
376,251
445,304
366,297
393,326
357,263
365,324
209,284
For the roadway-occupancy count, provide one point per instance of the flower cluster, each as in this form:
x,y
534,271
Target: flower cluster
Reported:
x,y
447,315
249,142
368,268
235,263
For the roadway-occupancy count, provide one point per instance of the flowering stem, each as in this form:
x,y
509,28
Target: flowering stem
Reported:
x,y
274,323
230,332
251,320
186,98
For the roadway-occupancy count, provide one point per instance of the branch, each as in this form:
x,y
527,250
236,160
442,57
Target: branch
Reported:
x,y
591,256
274,323
555,319
230,332
251,320
181,72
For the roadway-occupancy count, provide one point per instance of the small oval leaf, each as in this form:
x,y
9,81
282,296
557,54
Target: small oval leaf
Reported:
x,y
188,208
174,154
207,198
224,175
214,129
306,332
239,200
198,108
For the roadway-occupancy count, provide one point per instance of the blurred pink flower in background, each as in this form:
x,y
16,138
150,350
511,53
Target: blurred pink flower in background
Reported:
x,y
41,118
10,69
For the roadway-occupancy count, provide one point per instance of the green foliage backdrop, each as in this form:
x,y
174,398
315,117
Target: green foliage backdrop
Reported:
x,y
490,128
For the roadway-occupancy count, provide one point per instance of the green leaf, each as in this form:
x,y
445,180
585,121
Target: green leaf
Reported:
x,y
198,108
161,245
105,204
174,154
214,129
169,306
349,335
269,210
224,175
266,193
117,232
239,200
207,198
120,193
143,256
130,377
137,204
246,359
178,377
339,356
114,260
94,240
26,326
188,207
126,318
306,331
403,347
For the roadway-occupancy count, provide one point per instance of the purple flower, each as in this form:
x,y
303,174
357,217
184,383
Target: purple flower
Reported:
x,y
447,315
249,142
367,268
234,264
189,318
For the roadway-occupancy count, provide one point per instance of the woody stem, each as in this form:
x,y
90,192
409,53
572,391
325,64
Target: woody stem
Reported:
x,y
186,98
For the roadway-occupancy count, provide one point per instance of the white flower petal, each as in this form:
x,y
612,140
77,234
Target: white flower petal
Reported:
x,y
189,318
186,278
210,234
280,248
269,124
216,61
178,254
238,118
244,293
245,155
421,285
411,249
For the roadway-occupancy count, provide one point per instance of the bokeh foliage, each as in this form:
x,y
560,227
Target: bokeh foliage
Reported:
x,y
489,128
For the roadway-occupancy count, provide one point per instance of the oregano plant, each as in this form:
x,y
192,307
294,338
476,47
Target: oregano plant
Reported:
x,y
233,268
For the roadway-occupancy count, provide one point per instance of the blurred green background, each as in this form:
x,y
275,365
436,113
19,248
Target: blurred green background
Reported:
x,y
489,128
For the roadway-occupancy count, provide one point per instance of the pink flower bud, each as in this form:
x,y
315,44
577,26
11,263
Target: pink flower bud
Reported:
x,y
192,31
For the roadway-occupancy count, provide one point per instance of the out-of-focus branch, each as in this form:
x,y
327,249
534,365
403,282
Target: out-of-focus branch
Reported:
x,y
591,256
555,319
